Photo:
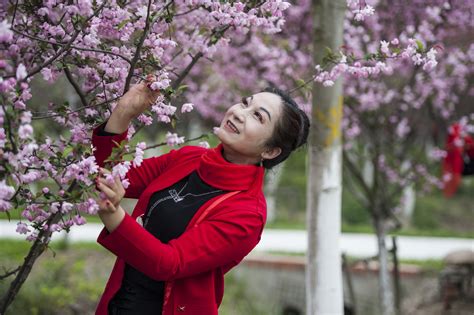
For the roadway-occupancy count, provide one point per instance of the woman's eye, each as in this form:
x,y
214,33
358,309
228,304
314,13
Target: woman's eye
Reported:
x,y
244,102
259,116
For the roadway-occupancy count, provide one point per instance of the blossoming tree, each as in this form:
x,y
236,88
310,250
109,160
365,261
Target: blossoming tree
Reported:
x,y
100,48
407,70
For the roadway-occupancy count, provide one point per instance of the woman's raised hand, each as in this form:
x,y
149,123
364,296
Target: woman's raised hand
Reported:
x,y
137,99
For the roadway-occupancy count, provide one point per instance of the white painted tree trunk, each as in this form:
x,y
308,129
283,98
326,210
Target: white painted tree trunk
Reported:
x,y
385,283
323,272
324,294
272,183
408,205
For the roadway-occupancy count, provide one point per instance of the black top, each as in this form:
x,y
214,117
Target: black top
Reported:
x,y
168,213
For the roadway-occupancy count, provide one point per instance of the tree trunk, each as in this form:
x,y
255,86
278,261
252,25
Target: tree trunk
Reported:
x,y
386,292
323,271
38,247
271,188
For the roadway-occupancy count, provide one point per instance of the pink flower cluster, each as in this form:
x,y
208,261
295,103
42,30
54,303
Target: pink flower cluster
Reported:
x,y
172,139
358,11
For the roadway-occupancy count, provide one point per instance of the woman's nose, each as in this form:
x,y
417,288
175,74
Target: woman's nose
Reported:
x,y
239,115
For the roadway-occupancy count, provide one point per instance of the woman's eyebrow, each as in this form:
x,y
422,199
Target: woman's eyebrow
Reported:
x,y
266,111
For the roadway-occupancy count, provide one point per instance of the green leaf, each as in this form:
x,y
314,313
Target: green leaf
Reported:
x,y
300,82
67,150
122,24
421,48
182,88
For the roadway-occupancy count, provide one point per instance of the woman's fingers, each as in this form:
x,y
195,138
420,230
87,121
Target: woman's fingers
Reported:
x,y
106,206
109,193
110,186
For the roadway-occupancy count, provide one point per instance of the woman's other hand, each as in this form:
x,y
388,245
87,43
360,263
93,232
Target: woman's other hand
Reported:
x,y
111,191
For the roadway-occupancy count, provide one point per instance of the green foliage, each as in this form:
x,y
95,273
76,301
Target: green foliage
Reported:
x,y
237,299
68,282
434,214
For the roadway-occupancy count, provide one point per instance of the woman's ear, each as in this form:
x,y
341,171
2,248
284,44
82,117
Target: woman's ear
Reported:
x,y
272,153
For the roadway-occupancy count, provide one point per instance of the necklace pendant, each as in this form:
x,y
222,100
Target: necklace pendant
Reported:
x,y
175,195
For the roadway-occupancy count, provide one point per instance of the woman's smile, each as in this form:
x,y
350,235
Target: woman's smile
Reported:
x,y
231,127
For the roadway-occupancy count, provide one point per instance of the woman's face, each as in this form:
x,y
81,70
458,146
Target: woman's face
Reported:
x,y
248,125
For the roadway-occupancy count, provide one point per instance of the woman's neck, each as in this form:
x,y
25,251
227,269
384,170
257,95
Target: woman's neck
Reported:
x,y
232,157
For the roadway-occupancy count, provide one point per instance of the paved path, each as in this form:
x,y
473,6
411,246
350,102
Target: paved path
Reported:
x,y
294,241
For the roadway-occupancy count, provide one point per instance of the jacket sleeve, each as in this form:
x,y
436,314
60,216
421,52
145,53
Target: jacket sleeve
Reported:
x,y
220,240
139,177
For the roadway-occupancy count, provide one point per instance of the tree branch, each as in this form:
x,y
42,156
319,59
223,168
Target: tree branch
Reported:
x,y
63,49
9,273
72,46
38,247
76,110
186,70
74,85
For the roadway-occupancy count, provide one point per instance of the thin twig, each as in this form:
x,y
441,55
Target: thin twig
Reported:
x,y
74,85
185,72
76,110
9,273
72,46
140,45
206,135
63,49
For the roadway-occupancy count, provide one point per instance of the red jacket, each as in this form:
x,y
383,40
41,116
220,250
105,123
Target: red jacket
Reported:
x,y
193,265
458,143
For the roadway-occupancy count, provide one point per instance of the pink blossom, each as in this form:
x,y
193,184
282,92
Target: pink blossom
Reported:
x,y
55,228
6,192
32,237
327,83
139,151
6,34
20,105
121,169
25,131
187,107
66,207
204,144
47,74
384,47
89,206
146,120
22,228
45,190
159,85
79,220
2,138
125,183
21,72
31,176
172,139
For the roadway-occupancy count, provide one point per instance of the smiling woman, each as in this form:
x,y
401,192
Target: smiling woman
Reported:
x,y
199,211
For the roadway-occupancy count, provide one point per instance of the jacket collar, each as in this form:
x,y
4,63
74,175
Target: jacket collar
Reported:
x,y
219,173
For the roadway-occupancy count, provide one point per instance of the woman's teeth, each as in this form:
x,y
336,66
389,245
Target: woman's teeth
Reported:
x,y
232,127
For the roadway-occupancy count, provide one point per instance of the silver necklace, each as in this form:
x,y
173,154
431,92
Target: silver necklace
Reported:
x,y
175,195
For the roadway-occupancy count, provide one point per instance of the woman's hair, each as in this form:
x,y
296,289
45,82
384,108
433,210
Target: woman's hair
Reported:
x,y
291,131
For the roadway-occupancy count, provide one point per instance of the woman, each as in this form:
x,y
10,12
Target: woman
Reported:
x,y
199,211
